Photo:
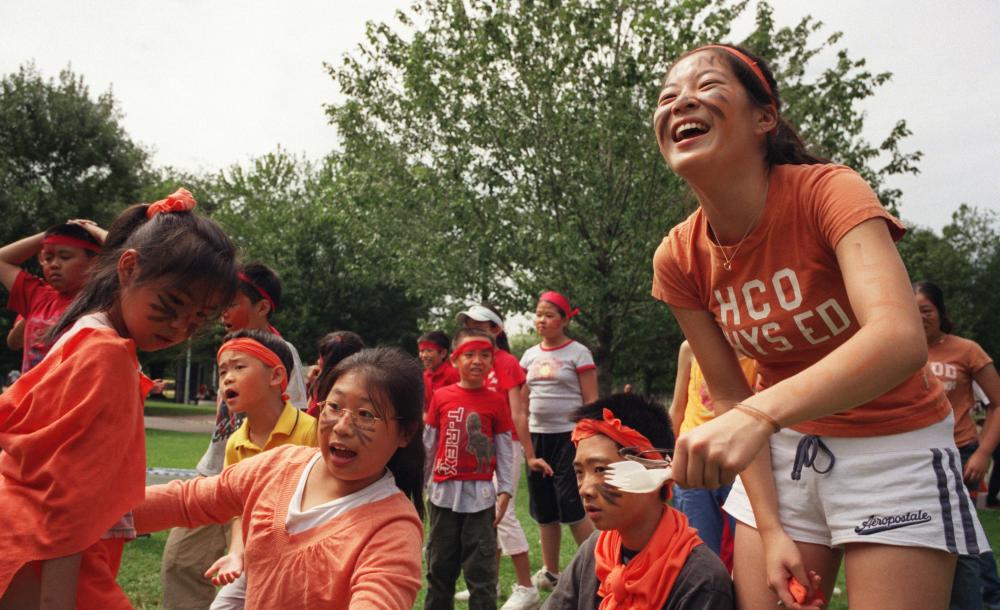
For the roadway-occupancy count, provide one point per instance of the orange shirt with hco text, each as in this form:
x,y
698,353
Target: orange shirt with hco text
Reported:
x,y
784,302
954,361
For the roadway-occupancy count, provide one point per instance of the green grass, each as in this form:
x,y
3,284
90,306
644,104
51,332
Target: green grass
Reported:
x,y
166,449
139,574
164,408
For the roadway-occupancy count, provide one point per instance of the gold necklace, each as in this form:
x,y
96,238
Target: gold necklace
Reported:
x,y
727,261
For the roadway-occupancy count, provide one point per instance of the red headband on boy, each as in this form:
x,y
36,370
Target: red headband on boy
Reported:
x,y
263,293
469,346
72,242
430,345
613,428
259,351
745,59
559,301
180,201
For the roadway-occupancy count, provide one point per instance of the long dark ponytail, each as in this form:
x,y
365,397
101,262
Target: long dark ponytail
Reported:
x,y
189,249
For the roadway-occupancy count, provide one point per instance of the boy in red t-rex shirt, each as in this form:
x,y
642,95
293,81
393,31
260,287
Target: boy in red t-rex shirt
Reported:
x,y
468,438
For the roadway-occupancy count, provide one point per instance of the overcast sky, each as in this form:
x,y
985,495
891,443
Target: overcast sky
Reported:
x,y
208,83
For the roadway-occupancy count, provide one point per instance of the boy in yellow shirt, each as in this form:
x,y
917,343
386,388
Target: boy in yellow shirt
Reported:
x,y
253,379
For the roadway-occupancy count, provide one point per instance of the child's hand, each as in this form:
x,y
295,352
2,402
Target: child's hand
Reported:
x,y
90,227
540,465
503,499
226,569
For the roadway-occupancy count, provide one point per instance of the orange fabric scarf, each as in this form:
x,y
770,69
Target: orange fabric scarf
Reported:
x,y
646,581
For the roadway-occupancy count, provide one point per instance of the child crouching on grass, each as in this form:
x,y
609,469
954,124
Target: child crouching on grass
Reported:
x,y
644,555
253,380
338,527
468,437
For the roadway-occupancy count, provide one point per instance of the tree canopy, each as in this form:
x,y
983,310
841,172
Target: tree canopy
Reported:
x,y
503,148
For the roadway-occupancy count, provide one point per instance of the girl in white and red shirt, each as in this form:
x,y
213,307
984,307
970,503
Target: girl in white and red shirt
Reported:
x,y
561,377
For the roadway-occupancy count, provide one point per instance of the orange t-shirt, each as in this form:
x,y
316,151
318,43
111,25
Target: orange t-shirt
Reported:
x,y
954,361
784,302
74,449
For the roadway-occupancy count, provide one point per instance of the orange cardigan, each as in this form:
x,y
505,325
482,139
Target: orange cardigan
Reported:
x,y
74,449
367,558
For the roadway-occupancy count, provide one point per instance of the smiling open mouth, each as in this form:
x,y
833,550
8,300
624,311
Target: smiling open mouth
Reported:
x,y
690,129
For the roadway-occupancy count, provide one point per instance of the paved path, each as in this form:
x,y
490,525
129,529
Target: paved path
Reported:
x,y
182,423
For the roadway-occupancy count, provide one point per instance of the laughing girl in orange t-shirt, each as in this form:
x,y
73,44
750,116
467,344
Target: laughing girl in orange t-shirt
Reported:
x,y
791,260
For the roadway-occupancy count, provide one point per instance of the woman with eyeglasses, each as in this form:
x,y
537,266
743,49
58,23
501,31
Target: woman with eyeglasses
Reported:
x,y
333,527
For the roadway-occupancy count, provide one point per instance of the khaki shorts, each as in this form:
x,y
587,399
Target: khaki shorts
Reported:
x,y
188,554
900,489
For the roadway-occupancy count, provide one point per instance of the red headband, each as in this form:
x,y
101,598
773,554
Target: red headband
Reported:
x,y
612,428
263,293
72,242
259,351
559,301
745,59
430,345
180,201
474,344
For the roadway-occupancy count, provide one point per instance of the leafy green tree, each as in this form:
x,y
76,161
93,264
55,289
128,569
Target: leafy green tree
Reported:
x,y
284,212
63,153
965,261
505,147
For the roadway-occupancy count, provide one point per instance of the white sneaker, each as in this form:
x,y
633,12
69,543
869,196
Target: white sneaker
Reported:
x,y
463,596
543,579
522,598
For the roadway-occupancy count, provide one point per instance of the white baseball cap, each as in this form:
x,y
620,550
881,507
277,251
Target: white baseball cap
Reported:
x,y
479,314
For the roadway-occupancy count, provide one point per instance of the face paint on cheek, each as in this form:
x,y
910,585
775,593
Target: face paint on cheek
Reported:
x,y
609,494
167,312
712,107
364,437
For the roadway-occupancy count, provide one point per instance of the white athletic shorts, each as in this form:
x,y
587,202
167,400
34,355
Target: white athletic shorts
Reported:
x,y
510,534
900,489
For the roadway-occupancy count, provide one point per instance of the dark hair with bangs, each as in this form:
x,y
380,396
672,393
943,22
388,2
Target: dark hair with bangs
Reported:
x,y
75,231
266,279
784,146
936,296
395,379
645,416
188,248
269,340
333,348
436,337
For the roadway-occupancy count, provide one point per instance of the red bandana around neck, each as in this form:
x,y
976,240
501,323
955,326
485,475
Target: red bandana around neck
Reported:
x,y
646,581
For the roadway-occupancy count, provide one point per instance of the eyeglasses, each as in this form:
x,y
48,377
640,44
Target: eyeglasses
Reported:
x,y
636,455
364,419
